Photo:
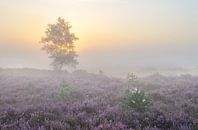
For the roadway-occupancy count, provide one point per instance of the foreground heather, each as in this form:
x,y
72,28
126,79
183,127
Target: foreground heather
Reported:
x,y
32,99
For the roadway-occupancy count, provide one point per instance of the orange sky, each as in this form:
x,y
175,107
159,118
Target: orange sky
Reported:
x,y
102,26
98,25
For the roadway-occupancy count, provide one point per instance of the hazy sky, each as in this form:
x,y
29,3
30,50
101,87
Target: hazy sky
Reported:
x,y
114,34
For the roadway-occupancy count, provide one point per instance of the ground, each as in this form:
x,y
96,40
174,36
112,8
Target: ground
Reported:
x,y
31,99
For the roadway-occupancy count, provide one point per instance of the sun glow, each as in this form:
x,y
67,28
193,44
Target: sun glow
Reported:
x,y
110,26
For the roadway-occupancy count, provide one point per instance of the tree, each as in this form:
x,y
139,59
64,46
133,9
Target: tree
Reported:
x,y
59,44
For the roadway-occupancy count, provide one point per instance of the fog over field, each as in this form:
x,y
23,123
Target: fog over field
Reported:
x,y
114,36
99,65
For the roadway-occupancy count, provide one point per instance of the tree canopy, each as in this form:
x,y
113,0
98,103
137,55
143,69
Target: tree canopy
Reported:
x,y
59,44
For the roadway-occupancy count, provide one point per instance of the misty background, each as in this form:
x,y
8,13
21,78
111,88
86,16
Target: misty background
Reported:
x,y
116,37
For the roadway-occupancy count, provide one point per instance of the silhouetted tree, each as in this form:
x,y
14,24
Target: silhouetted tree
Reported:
x,y
59,44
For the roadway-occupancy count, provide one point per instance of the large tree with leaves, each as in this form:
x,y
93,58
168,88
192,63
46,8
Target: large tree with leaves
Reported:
x,y
59,44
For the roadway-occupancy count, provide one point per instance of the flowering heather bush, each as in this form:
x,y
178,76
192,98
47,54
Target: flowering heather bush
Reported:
x,y
28,101
136,99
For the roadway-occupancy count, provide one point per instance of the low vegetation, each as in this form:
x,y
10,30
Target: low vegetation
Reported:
x,y
136,99
158,103
65,90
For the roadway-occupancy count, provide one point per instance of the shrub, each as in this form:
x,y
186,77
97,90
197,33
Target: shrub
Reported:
x,y
65,90
132,80
136,99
